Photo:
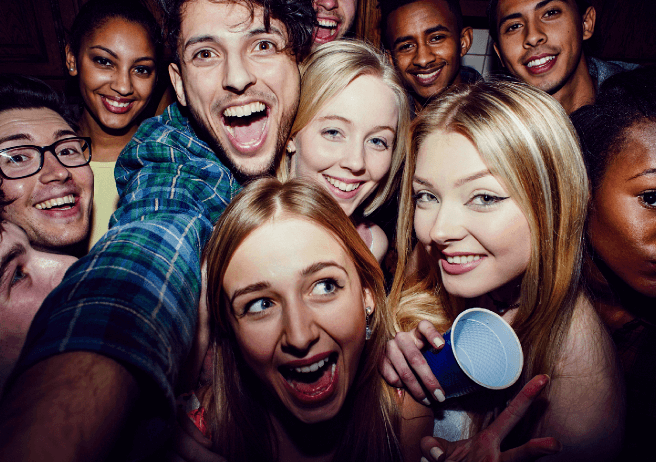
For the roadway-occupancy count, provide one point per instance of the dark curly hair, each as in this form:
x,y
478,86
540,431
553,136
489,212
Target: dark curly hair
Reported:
x,y
623,100
298,16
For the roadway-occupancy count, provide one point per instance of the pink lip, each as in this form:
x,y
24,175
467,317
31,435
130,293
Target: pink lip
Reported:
x,y
455,269
308,361
546,67
429,82
114,109
249,148
315,394
323,38
63,213
347,195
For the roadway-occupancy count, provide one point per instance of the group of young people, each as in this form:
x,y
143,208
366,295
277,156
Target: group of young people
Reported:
x,y
265,297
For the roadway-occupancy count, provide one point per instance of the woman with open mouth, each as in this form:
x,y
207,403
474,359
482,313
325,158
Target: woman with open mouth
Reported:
x,y
350,131
113,54
495,191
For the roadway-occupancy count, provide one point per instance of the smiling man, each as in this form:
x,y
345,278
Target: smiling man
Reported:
x,y
427,41
116,331
334,19
541,43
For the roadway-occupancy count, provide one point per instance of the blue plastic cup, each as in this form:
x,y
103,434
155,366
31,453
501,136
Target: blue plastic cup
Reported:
x,y
481,351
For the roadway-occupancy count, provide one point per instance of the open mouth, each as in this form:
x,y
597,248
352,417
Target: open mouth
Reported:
x,y
540,65
117,106
312,382
246,125
461,259
344,187
326,30
60,203
429,78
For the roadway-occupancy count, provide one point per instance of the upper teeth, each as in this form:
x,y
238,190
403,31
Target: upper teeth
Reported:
x,y
540,62
312,367
329,23
55,202
428,76
111,102
245,110
346,187
460,259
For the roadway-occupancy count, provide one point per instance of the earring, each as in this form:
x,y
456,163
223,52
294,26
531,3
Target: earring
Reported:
x,y
71,69
367,331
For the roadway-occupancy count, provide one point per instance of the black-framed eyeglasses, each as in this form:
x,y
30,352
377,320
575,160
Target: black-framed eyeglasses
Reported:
x,y
23,161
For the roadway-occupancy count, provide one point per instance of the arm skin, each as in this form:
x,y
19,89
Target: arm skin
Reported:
x,y
65,409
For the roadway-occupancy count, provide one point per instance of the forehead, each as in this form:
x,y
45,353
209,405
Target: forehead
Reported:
x,y
11,235
423,14
506,7
40,125
120,31
638,151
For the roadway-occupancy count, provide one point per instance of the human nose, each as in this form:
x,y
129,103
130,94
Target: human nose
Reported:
x,y
300,329
52,169
424,55
237,76
448,225
353,158
326,4
534,35
122,83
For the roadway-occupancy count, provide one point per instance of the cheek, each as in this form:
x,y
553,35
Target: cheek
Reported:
x,y
378,164
312,154
83,178
423,223
257,347
15,190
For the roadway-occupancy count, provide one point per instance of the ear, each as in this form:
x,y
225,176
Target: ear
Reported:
x,y
466,39
390,58
496,50
589,19
369,301
290,151
176,80
71,65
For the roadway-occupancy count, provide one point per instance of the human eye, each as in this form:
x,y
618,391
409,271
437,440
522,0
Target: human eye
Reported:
x,y
18,276
144,71
266,46
648,198
69,148
380,143
257,306
404,47
551,12
102,61
512,27
204,55
437,38
331,133
327,286
485,200
424,197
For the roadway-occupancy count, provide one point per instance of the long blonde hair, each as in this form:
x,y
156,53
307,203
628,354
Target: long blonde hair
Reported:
x,y
327,72
239,416
526,139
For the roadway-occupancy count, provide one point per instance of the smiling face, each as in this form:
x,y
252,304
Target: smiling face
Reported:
x,y
238,80
117,73
298,314
347,147
427,46
54,205
465,219
622,224
26,277
541,42
335,18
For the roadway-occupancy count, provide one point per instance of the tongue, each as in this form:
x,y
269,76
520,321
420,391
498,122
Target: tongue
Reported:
x,y
324,34
249,133
315,387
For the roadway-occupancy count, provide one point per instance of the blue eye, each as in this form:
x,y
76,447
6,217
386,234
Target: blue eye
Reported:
x,y
379,142
258,306
331,133
19,275
326,287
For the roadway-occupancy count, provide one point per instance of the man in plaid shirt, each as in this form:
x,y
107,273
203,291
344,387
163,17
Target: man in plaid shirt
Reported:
x,y
106,347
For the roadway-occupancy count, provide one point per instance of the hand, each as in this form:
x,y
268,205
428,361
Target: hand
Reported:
x,y
403,363
485,446
188,443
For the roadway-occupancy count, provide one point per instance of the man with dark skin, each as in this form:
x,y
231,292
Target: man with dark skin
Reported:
x,y
541,43
107,345
427,41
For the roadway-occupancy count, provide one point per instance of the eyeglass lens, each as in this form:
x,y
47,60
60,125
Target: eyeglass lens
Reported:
x,y
26,160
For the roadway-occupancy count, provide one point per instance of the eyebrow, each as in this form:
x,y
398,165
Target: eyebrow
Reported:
x,y
649,171
211,38
14,252
27,137
248,289
110,52
318,266
519,15
458,183
430,30
350,122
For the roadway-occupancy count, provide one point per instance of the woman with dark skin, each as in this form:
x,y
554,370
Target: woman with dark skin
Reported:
x,y
113,53
618,138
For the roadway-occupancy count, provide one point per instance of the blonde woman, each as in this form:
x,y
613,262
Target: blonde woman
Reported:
x,y
496,192
349,134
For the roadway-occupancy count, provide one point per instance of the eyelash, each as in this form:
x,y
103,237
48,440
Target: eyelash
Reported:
x,y
102,61
489,200
18,276
648,198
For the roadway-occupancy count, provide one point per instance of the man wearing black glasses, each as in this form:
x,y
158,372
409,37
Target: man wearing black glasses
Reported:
x,y
47,184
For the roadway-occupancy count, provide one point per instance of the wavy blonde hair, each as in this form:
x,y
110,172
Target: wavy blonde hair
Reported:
x,y
326,73
239,415
527,141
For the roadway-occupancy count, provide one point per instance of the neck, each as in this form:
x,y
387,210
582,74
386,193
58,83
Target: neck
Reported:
x,y
579,90
106,143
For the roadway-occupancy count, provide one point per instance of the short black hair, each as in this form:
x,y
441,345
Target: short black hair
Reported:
x,y
582,6
623,100
298,16
23,92
95,13
387,7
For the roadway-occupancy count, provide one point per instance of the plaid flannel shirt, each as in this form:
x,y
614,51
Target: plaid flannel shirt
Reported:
x,y
134,297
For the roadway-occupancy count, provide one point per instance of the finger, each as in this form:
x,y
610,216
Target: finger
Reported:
x,y
415,359
534,449
433,448
389,374
517,407
426,330
403,370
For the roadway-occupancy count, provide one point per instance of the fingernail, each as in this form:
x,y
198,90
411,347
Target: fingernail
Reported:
x,y
438,342
439,395
423,459
436,452
425,401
